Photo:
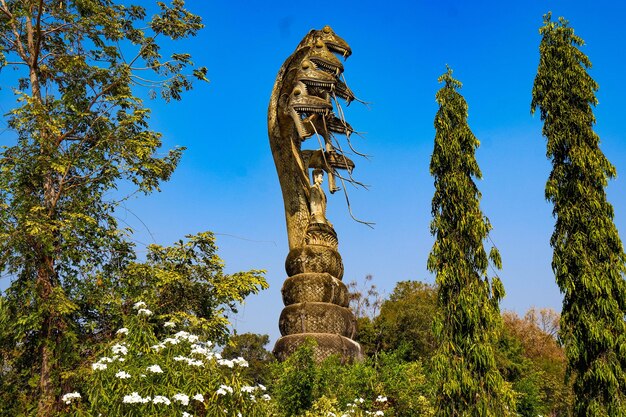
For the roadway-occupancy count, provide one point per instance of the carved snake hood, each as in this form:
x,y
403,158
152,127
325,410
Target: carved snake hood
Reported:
x,y
300,104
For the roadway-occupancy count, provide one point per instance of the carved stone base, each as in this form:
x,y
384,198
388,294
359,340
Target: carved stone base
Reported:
x,y
317,318
327,344
314,258
314,287
316,300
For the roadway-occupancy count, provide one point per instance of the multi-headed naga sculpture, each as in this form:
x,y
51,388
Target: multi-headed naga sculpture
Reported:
x,y
301,107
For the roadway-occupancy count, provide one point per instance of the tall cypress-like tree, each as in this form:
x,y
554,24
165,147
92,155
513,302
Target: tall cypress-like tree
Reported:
x,y
468,322
589,261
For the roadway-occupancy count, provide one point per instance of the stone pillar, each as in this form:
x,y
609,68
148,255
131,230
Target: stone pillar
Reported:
x,y
316,300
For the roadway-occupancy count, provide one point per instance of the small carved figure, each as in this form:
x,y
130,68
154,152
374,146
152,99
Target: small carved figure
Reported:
x,y
318,199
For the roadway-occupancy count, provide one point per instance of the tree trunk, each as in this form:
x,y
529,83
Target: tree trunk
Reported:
x,y
45,405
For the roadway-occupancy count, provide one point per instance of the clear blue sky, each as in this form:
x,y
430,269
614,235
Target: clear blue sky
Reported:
x,y
227,183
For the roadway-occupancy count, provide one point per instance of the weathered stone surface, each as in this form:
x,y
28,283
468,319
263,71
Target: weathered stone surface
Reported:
x,y
314,258
317,318
326,345
314,287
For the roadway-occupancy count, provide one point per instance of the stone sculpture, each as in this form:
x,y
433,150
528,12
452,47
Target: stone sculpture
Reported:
x,y
316,301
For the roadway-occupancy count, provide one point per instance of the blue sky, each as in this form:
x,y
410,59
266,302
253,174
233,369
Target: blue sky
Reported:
x,y
227,183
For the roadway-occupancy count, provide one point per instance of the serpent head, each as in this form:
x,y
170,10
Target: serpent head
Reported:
x,y
324,59
301,104
314,78
343,91
333,42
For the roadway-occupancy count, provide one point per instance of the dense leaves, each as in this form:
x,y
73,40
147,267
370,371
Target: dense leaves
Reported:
x,y
468,323
252,347
404,324
382,384
589,261
139,374
80,128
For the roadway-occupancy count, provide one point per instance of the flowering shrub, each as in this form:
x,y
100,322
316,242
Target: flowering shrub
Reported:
x,y
328,407
180,375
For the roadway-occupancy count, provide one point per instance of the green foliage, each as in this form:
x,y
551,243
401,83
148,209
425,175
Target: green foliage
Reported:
x,y
406,320
542,378
295,380
140,375
186,283
81,129
589,261
468,322
252,347
384,383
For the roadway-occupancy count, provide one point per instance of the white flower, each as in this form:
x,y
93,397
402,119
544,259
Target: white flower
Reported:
x,y
123,330
139,304
262,387
98,366
226,362
223,389
159,399
170,341
198,397
135,398
241,362
122,375
144,312
155,369
67,398
181,335
181,398
186,414
266,397
248,389
359,400
381,399
379,413
331,414
158,347
106,359
192,362
118,348
199,350
169,324
191,338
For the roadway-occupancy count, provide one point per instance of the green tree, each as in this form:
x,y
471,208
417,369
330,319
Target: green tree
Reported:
x,y
468,322
186,283
405,321
252,347
536,363
80,129
589,261
404,324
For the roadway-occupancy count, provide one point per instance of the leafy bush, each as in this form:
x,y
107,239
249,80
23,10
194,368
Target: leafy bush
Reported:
x,y
382,384
140,375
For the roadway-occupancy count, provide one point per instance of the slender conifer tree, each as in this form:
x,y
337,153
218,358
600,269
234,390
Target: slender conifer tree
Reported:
x,y
589,261
468,322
